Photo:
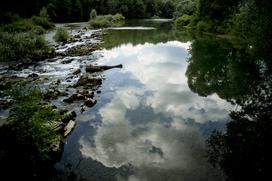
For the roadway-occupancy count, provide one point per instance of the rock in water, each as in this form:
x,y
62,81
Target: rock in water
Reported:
x,y
78,71
90,102
86,80
69,127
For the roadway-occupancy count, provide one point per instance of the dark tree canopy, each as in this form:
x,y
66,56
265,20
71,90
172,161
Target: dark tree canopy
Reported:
x,y
79,10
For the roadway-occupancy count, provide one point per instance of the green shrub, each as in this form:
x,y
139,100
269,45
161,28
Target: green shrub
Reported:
x,y
23,47
182,21
107,21
23,25
26,141
100,22
61,35
43,22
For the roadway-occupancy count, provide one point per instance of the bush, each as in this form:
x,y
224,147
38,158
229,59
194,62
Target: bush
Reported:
x,y
43,22
107,21
100,22
26,140
61,35
23,26
182,21
23,47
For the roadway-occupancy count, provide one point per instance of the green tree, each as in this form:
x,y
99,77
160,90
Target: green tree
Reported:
x,y
139,9
185,7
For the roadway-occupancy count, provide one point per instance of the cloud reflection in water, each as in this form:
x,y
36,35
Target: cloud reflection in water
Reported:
x,y
147,126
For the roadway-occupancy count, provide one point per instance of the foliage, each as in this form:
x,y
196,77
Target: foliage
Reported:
x,y
43,22
27,138
79,10
204,26
253,23
61,35
23,47
185,7
36,24
100,22
233,17
182,21
104,21
23,25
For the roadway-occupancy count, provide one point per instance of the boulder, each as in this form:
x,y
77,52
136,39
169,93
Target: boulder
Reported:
x,y
74,97
90,102
87,80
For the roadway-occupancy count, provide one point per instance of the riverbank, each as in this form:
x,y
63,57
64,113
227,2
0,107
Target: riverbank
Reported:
x,y
68,82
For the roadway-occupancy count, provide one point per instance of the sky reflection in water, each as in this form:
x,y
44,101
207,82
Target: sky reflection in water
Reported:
x,y
150,120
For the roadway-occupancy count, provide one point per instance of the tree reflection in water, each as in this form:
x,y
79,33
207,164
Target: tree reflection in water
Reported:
x,y
243,151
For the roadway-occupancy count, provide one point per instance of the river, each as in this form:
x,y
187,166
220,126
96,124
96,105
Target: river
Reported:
x,y
153,117
148,124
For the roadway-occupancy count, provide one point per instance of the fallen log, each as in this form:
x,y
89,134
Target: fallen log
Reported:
x,y
94,68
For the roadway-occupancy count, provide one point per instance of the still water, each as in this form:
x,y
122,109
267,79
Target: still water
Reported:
x,y
154,115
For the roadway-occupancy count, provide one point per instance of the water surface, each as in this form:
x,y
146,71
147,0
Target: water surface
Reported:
x,y
154,115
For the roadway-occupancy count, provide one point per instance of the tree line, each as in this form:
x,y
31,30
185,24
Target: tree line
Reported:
x,y
249,20
79,10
